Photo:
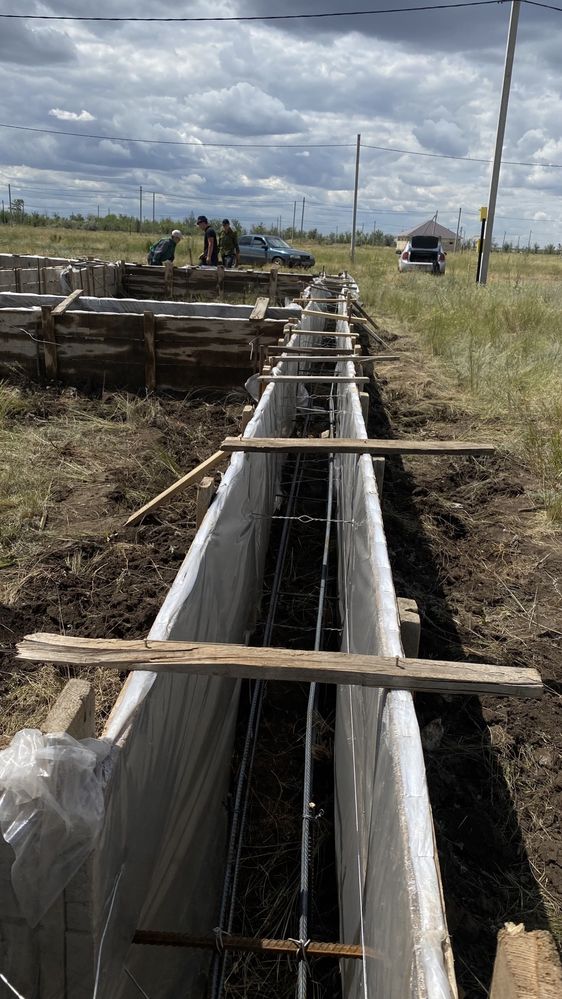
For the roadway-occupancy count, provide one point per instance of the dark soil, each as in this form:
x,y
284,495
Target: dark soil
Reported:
x,y
469,543
93,577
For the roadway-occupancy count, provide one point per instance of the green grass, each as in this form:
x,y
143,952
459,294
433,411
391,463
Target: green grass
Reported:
x,y
502,343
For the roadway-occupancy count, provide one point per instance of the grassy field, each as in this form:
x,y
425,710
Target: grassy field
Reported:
x,y
502,343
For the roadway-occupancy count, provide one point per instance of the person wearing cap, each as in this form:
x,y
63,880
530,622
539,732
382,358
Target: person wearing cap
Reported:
x,y
164,249
210,255
228,245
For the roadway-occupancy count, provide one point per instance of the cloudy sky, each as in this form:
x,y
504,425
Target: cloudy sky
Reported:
x,y
247,117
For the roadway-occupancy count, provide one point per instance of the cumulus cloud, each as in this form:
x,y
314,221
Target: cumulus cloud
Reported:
x,y
71,115
244,109
426,81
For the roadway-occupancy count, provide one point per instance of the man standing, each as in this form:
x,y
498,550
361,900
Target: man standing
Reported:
x,y
228,245
210,255
164,249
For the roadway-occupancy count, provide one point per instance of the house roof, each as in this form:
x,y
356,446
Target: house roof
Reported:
x,y
429,228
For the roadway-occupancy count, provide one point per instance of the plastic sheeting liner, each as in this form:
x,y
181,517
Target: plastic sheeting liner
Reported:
x,y
51,805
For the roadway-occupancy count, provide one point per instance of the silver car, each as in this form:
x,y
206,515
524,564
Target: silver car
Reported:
x,y
258,249
422,253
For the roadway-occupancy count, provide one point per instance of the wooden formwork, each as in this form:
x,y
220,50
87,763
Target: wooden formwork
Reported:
x,y
186,283
150,346
50,276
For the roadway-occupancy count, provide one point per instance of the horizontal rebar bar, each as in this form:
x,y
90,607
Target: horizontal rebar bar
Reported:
x,y
254,945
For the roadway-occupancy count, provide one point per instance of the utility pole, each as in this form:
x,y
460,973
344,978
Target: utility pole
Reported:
x,y
529,242
302,218
153,207
294,216
140,208
508,68
10,203
358,150
458,227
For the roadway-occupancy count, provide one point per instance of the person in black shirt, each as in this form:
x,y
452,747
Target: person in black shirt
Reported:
x,y
210,255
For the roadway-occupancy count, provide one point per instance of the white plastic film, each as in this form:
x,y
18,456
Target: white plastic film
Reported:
x,y
390,898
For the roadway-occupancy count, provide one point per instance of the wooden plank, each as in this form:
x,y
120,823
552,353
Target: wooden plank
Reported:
x,y
241,661
333,316
187,480
260,309
527,965
262,945
326,351
333,300
368,321
61,308
323,333
312,378
50,343
350,445
149,351
205,493
360,358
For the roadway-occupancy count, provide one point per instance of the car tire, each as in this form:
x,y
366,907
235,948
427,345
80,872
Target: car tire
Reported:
x,y
277,260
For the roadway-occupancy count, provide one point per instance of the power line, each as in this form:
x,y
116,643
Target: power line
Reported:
x,y
185,142
260,17
278,145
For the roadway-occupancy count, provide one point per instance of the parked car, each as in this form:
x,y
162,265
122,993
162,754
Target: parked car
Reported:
x,y
422,253
272,250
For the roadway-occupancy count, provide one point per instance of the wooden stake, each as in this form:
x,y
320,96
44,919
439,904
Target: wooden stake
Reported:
x,y
50,343
205,493
187,480
247,413
149,326
244,662
350,445
266,372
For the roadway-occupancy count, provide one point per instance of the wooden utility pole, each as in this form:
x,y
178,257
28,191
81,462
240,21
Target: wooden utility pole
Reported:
x,y
140,208
458,227
354,222
294,216
508,67
302,218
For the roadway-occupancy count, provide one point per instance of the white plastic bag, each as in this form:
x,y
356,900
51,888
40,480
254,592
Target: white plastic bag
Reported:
x,y
51,812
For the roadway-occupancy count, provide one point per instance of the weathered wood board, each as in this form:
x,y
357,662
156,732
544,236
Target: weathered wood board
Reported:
x,y
112,350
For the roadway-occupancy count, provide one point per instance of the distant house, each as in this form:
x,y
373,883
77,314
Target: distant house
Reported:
x,y
430,228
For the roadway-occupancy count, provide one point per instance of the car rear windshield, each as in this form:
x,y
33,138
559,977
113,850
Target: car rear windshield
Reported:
x,y
425,242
